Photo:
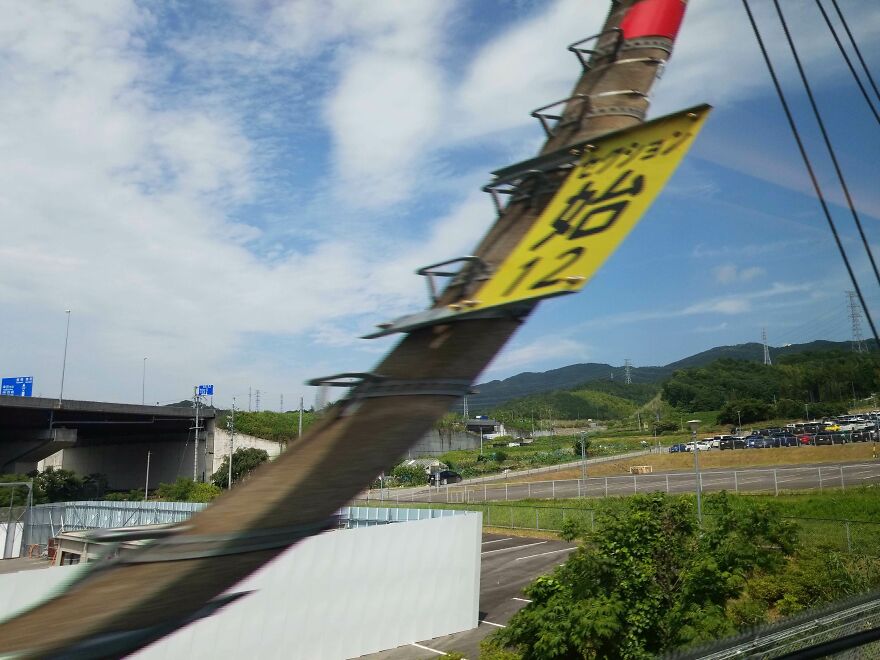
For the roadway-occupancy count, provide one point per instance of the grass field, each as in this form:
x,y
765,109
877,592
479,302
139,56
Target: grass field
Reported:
x,y
740,458
846,521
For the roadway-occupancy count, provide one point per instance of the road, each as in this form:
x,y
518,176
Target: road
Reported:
x,y
508,563
771,480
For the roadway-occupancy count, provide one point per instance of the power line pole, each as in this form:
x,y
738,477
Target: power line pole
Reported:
x,y
196,402
766,347
855,316
250,397
231,444
627,372
281,404
299,435
465,409
257,401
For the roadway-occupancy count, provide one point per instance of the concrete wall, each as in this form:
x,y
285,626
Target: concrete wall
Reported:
x,y
221,444
337,595
125,464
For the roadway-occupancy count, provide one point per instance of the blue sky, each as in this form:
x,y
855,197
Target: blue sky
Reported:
x,y
238,190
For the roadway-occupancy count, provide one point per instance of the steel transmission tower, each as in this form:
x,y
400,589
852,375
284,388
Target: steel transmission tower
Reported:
x,y
627,372
855,315
257,400
767,359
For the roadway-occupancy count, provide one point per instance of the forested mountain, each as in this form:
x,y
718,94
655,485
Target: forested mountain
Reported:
x,y
496,392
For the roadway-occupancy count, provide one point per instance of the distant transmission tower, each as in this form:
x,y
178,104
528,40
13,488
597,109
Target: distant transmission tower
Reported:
x,y
257,400
250,399
767,359
281,405
855,315
465,408
627,372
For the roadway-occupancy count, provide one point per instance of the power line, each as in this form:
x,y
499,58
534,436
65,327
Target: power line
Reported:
x,y
827,139
849,63
808,164
856,47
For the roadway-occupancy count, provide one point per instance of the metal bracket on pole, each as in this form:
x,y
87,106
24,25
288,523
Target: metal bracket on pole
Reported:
x,y
515,187
583,54
587,110
371,386
474,270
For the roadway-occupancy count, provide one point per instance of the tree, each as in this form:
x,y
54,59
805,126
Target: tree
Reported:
x,y
649,581
409,475
58,485
244,459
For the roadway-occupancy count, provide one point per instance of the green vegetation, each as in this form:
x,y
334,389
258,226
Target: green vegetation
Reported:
x,y
53,485
187,490
595,400
827,381
244,459
282,427
651,580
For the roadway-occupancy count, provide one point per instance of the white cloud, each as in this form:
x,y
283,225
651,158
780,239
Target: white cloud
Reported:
x,y
730,274
542,351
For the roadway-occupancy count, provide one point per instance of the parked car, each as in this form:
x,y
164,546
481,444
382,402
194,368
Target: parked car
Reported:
x,y
674,449
754,441
784,440
731,442
444,477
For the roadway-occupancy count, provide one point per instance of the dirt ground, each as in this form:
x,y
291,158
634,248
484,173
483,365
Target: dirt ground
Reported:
x,y
666,462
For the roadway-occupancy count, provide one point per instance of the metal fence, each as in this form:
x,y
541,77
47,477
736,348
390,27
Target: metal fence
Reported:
x,y
752,480
46,521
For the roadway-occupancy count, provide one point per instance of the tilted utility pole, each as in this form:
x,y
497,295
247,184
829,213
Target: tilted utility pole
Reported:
x,y
385,412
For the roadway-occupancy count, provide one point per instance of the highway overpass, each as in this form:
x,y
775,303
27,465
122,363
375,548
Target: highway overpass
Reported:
x,y
110,438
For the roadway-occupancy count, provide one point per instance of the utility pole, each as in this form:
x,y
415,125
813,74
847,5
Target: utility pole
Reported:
x,y
616,76
196,402
281,404
64,359
299,434
250,394
147,482
231,443
257,401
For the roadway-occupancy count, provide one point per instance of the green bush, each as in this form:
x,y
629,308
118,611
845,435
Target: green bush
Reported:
x,y
409,475
187,490
244,459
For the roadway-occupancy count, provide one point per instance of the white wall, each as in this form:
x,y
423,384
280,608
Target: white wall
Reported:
x,y
221,445
337,595
17,529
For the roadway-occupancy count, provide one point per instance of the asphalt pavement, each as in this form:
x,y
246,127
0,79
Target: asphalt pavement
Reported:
x,y
507,564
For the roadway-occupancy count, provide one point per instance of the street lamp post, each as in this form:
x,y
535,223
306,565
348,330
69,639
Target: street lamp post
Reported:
x,y
693,424
807,410
739,422
144,382
584,458
64,359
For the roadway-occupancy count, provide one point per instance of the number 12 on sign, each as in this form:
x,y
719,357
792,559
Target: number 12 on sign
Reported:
x,y
599,203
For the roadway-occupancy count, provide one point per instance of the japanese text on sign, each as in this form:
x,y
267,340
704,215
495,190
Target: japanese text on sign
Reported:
x,y
600,202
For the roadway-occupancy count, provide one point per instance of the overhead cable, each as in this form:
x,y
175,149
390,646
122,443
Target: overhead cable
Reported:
x,y
849,63
818,115
855,47
808,164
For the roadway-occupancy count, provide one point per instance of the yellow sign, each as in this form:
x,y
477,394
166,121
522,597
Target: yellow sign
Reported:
x,y
600,202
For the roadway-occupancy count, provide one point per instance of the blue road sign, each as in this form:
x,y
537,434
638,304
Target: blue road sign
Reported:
x,y
17,386
206,390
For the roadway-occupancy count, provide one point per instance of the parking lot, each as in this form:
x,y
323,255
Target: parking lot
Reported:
x,y
508,563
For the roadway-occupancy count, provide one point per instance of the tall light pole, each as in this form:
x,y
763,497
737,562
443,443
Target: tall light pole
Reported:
x,y
739,422
693,424
584,458
807,410
147,482
64,359
144,382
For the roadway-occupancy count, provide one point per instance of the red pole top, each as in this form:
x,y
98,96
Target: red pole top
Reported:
x,y
653,18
